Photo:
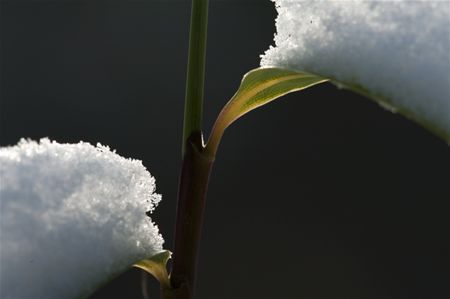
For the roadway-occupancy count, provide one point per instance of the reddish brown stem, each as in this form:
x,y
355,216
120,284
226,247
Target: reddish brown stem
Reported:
x,y
194,179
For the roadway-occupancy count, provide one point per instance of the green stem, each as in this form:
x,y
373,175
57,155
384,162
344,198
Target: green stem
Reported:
x,y
193,109
196,165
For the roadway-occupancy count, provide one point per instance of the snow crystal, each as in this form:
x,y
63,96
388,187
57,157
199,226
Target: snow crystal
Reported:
x,y
72,217
397,51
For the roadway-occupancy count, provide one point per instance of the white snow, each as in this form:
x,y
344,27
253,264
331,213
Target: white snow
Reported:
x,y
72,217
398,51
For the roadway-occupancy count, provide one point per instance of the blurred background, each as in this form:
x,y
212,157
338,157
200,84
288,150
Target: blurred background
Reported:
x,y
322,194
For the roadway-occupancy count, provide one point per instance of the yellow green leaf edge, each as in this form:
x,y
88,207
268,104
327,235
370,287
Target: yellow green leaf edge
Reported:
x,y
263,85
258,87
157,267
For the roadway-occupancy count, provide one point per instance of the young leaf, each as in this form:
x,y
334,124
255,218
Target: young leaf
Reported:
x,y
258,87
157,266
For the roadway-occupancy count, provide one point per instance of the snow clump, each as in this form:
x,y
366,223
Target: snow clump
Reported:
x,y
397,52
73,216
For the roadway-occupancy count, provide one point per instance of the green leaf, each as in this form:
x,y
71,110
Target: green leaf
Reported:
x,y
157,266
432,125
258,87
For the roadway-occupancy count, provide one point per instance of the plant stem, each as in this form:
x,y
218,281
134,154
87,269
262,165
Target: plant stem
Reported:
x,y
194,178
196,165
193,109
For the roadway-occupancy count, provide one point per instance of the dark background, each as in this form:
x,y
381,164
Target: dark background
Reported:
x,y
322,194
